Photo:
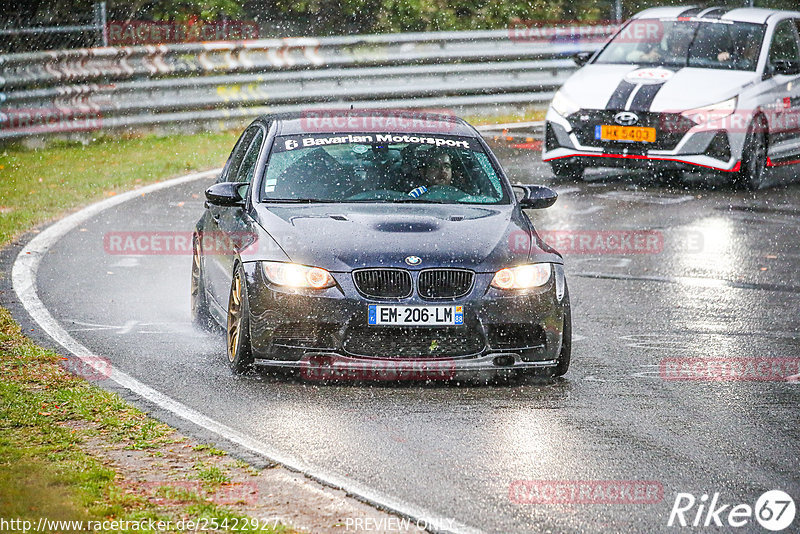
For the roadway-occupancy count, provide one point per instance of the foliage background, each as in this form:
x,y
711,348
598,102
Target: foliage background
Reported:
x,y
282,18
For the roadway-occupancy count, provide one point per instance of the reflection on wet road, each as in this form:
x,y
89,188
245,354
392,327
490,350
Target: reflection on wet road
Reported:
x,y
720,281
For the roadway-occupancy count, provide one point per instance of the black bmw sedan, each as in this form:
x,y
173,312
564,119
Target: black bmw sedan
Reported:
x,y
377,245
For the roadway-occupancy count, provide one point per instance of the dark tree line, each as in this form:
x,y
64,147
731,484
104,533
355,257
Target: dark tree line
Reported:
x,y
280,18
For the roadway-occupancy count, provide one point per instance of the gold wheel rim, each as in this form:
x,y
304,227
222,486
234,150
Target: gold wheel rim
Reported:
x,y
195,274
235,318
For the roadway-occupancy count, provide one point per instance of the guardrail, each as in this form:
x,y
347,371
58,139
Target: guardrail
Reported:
x,y
129,87
521,135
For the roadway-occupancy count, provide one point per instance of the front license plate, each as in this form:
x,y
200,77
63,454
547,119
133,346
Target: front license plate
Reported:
x,y
625,133
415,315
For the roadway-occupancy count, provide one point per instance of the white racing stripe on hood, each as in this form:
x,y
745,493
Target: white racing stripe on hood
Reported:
x,y
694,88
592,86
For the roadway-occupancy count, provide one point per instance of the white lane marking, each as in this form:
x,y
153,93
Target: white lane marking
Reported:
x,y
586,211
592,378
23,277
566,190
607,263
121,329
653,371
128,327
635,196
128,261
508,126
656,341
765,218
136,327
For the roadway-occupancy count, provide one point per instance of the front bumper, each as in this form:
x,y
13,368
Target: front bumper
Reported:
x,y
326,333
329,366
681,144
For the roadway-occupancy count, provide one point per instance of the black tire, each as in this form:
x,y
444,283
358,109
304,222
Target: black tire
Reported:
x,y
566,343
566,171
201,314
754,157
237,333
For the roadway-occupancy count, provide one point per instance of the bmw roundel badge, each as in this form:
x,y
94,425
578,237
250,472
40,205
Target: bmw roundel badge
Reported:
x,y
413,260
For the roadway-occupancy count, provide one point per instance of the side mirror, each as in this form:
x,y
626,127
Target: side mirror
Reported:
x,y
225,194
536,197
786,66
582,58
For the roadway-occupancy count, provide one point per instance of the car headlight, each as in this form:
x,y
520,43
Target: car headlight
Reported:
x,y
522,277
300,276
563,105
720,110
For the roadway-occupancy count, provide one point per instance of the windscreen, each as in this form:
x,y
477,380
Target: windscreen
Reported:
x,y
376,167
686,43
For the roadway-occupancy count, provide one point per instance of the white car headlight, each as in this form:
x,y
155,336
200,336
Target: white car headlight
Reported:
x,y
563,105
712,112
299,276
522,277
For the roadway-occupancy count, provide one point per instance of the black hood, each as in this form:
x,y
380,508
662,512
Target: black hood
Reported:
x,y
344,237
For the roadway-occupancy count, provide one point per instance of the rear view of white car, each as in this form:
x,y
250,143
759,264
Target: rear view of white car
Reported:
x,y
685,89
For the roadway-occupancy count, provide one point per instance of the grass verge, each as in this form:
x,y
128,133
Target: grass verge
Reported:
x,y
57,432
48,416
529,114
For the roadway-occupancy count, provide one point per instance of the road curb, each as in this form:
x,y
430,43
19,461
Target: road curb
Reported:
x,y
23,280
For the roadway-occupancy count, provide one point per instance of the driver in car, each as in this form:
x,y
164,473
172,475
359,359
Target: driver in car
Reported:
x,y
675,44
437,168
437,173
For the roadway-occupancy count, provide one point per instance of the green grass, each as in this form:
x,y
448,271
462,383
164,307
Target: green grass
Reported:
x,y
43,470
39,185
530,114
209,449
47,414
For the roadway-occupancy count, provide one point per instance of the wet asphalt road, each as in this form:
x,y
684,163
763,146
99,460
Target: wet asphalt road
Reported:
x,y
724,284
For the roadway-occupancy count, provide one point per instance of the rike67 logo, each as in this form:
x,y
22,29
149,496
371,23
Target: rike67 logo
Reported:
x,y
774,510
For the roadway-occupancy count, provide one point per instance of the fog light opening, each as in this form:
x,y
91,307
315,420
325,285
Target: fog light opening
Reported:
x,y
506,360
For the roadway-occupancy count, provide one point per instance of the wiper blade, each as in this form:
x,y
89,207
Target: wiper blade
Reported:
x,y
395,200
344,201
298,200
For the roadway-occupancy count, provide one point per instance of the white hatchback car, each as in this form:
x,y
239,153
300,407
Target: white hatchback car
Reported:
x,y
679,89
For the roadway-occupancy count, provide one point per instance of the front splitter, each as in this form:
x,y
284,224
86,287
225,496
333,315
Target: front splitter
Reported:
x,y
325,366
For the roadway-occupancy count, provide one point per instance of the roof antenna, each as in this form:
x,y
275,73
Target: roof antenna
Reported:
x,y
351,106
